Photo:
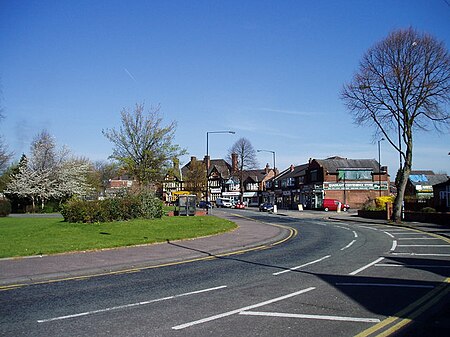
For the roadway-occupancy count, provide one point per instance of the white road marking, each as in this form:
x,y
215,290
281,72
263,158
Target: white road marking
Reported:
x,y
399,285
357,271
446,246
394,245
355,234
237,311
408,233
419,239
409,265
372,228
322,317
348,246
128,305
303,265
389,234
417,254
342,227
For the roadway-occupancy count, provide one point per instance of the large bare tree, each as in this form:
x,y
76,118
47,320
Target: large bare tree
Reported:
x,y
402,85
143,145
246,159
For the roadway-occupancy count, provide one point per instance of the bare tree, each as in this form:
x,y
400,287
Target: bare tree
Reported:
x,y
402,85
143,145
245,157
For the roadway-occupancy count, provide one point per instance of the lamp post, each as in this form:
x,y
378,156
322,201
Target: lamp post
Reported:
x,y
274,173
379,165
207,163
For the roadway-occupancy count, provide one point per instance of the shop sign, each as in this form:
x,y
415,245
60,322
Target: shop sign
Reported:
x,y
354,186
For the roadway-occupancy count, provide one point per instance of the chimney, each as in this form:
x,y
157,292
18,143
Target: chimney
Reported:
x,y
291,168
234,162
266,169
207,161
193,158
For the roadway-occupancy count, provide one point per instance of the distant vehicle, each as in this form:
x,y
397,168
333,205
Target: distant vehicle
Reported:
x,y
332,205
204,204
266,207
239,205
224,202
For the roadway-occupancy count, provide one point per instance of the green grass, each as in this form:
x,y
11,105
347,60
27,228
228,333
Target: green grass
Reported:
x,y
34,236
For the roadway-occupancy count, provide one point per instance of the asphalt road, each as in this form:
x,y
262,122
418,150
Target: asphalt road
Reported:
x,y
332,278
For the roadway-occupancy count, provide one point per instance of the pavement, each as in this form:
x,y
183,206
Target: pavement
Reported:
x,y
250,235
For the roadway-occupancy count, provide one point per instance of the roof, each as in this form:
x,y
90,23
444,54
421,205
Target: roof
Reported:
x,y
333,164
254,175
426,178
220,165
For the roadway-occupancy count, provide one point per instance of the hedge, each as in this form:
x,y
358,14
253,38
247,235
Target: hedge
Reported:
x,y
143,205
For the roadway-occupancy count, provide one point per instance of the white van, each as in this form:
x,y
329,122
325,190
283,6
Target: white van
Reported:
x,y
224,202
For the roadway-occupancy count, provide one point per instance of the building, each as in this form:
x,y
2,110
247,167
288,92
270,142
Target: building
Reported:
x,y
419,189
441,194
352,181
254,185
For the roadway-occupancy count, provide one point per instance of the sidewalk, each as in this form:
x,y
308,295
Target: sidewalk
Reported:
x,y
28,270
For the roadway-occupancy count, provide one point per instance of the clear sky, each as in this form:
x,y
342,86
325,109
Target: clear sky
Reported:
x,y
271,71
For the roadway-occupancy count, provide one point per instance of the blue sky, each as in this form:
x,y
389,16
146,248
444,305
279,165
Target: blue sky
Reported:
x,y
271,71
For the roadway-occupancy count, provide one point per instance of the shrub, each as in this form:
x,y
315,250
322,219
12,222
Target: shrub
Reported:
x,y
382,201
5,207
428,210
143,205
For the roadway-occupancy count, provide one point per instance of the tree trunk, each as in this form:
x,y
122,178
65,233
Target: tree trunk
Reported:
x,y
401,182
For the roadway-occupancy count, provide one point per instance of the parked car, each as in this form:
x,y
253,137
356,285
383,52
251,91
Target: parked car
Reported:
x,y
224,202
204,204
239,205
332,205
266,207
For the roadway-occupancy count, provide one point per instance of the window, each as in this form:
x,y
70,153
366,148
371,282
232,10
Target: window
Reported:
x,y
291,182
355,174
313,175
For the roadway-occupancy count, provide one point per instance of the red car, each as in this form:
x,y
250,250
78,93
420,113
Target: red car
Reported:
x,y
239,205
332,205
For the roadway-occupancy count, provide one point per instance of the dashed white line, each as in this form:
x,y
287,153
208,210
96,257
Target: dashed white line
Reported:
x,y
348,246
237,311
396,285
394,245
128,305
303,265
305,316
446,246
357,271
410,265
355,234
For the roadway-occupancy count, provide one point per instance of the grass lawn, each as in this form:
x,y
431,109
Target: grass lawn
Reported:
x,y
34,236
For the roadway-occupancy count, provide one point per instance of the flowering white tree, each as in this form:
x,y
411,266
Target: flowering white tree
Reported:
x,y
49,173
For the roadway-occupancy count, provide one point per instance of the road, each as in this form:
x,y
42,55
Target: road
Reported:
x,y
330,278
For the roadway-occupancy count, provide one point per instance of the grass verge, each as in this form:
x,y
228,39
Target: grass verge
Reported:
x,y
35,236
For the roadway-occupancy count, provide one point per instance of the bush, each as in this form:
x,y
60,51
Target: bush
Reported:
x,y
428,210
5,207
382,201
144,205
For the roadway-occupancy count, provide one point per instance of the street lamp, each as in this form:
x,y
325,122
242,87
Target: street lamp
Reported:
x,y
379,166
208,161
274,173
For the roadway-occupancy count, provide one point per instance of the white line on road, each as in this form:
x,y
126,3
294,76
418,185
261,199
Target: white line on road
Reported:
x,y
128,305
357,271
389,234
446,246
355,234
348,246
303,265
323,317
399,285
237,311
394,245
419,239
409,265
417,254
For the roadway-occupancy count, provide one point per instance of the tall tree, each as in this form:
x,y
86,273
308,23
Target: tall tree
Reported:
x,y
195,177
143,145
403,84
245,155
